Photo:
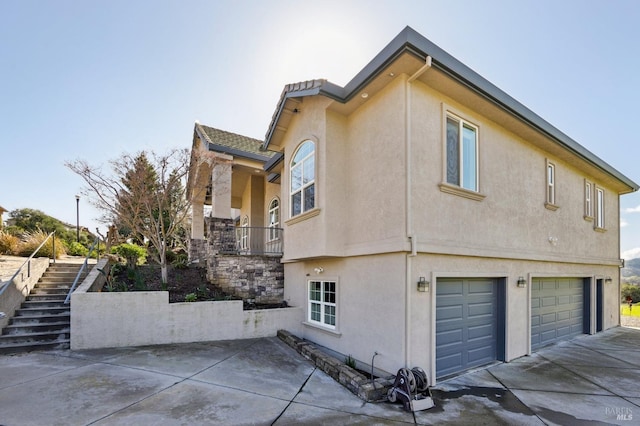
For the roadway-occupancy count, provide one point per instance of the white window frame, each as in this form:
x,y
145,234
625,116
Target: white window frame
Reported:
x,y
306,160
599,222
551,179
462,172
244,234
588,200
327,309
274,219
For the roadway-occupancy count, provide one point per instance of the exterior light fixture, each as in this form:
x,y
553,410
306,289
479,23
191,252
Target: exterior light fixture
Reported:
x,y
608,280
318,270
522,283
364,95
423,285
77,218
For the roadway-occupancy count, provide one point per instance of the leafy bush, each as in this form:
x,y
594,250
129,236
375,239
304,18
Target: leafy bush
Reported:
x,y
8,243
77,249
132,253
33,239
191,297
181,261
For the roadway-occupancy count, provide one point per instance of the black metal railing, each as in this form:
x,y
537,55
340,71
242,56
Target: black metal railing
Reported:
x,y
252,240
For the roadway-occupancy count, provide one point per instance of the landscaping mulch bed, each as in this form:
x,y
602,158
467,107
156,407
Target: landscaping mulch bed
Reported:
x,y
181,282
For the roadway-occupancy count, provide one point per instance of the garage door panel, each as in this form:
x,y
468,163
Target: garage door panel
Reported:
x,y
465,336
556,310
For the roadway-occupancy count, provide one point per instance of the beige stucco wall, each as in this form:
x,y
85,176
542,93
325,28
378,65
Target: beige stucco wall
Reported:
x,y
359,236
374,316
512,220
152,320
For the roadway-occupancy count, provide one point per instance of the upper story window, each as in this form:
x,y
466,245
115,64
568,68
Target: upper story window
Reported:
x,y
462,153
550,202
599,224
274,219
302,178
588,200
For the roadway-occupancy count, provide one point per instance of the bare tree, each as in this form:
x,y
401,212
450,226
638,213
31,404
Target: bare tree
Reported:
x,y
145,193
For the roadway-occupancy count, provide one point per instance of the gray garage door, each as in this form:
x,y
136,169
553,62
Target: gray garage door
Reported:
x,y
556,310
466,324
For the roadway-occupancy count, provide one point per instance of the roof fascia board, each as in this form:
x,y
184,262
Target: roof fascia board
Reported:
x,y
274,161
236,152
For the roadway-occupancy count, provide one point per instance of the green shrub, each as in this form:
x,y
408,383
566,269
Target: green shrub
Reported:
x,y
191,297
133,254
9,243
32,240
181,261
77,249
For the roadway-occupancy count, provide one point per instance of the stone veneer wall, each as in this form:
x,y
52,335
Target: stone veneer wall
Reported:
x,y
198,252
260,278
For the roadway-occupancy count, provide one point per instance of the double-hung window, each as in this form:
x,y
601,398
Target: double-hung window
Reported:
x,y
550,201
599,223
322,303
588,200
462,153
303,178
274,219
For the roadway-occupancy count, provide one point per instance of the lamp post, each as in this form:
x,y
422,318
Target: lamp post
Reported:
x,y
78,218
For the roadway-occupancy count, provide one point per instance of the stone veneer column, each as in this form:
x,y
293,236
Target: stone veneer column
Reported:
x,y
221,187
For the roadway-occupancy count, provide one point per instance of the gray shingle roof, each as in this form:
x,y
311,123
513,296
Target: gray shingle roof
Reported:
x,y
233,144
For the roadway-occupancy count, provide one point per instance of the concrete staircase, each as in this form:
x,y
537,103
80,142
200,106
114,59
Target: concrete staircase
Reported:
x,y
43,321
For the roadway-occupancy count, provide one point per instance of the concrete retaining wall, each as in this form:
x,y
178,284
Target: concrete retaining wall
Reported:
x,y
100,320
19,288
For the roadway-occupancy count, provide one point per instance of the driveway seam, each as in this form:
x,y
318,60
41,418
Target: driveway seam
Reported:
x,y
294,396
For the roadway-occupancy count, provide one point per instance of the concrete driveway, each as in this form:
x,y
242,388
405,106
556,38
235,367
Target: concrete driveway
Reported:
x,y
263,381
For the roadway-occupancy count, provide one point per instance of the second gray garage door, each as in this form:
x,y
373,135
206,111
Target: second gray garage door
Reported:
x,y
467,324
556,310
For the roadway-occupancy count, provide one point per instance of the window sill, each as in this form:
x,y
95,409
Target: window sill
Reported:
x,y
457,190
321,328
551,207
303,216
603,230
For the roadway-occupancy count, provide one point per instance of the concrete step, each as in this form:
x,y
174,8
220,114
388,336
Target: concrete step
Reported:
x,y
56,310
12,348
60,296
63,285
44,336
48,291
29,304
40,319
23,329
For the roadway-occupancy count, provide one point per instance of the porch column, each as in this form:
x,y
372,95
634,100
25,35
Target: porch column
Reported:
x,y
221,187
197,220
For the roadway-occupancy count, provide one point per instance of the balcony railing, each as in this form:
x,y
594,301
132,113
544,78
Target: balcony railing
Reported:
x,y
251,240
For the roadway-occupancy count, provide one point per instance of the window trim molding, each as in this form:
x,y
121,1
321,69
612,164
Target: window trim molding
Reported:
x,y
588,202
551,198
335,329
303,216
315,179
445,186
599,212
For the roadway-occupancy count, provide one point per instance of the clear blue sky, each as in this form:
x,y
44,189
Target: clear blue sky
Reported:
x,y
93,79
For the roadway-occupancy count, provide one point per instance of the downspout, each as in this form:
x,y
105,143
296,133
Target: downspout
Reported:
x,y
408,212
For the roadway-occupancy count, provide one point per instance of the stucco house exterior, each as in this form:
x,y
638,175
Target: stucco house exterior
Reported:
x,y
426,215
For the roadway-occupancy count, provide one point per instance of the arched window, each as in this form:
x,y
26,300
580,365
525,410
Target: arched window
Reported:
x,y
274,219
303,178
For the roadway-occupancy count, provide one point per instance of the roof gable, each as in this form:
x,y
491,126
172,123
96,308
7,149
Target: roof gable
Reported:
x,y
411,42
233,144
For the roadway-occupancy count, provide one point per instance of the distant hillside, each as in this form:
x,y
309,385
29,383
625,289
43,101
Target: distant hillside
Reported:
x,y
631,271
